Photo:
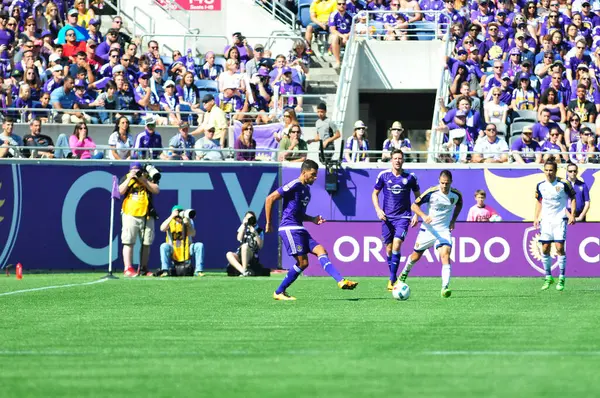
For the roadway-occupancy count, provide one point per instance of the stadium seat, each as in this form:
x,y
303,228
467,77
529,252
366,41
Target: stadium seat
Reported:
x,y
520,116
563,126
592,126
500,128
511,140
210,86
220,61
167,60
517,127
304,12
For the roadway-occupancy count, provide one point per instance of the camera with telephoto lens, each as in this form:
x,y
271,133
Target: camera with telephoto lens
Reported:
x,y
189,213
152,172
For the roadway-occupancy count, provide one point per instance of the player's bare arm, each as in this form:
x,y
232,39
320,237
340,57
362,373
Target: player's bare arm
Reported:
x,y
415,218
571,216
536,216
375,198
316,219
417,210
457,211
272,198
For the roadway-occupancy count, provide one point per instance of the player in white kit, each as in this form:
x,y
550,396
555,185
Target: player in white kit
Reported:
x,y
551,217
445,204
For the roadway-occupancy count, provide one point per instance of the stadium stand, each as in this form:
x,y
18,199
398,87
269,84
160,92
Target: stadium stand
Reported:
x,y
71,65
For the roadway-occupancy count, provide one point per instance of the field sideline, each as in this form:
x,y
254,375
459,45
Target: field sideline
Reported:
x,y
224,337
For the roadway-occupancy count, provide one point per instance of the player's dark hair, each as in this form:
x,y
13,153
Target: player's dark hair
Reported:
x,y
447,174
569,164
309,165
551,162
395,151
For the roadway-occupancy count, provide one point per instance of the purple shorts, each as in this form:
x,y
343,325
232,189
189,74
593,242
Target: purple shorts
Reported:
x,y
297,241
396,228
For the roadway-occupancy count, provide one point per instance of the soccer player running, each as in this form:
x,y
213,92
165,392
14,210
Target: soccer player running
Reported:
x,y
552,196
296,239
445,204
395,216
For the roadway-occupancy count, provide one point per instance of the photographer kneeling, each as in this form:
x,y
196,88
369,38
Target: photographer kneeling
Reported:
x,y
176,252
138,214
244,261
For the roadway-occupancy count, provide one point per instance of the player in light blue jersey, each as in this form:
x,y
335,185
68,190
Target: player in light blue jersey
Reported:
x,y
295,238
445,204
552,217
396,185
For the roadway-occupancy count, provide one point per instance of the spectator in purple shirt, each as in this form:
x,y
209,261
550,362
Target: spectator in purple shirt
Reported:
x,y
245,141
210,70
230,103
582,193
524,149
169,102
483,15
340,23
289,88
494,47
243,47
553,146
149,138
579,57
541,129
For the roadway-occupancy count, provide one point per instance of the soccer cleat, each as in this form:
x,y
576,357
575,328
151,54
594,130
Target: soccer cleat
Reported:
x,y
549,281
199,273
390,286
283,296
403,277
345,284
446,292
560,286
130,273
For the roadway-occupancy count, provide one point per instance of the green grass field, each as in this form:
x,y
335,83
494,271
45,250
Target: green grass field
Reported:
x,y
226,337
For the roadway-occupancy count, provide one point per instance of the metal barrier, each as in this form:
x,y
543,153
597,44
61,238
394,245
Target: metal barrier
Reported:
x,y
177,14
278,11
151,29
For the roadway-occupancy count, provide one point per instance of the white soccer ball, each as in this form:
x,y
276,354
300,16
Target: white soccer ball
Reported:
x,y
495,218
401,291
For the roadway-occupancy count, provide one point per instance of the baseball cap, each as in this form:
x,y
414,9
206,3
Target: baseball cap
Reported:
x,y
231,86
79,83
262,71
176,207
157,67
515,50
461,50
397,125
585,2
56,68
143,75
135,165
457,133
473,49
527,129
524,76
118,68
322,106
237,34
17,73
558,62
501,12
526,62
46,33
505,76
582,66
460,112
54,57
259,47
359,125
184,124
113,31
286,69
94,21
207,98
150,119
73,11
169,83
520,34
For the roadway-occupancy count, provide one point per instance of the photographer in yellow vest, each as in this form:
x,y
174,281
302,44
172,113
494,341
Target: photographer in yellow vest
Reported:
x,y
176,252
138,215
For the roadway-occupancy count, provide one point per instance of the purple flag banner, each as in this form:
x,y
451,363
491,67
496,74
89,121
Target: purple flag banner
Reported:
x,y
264,136
479,249
115,189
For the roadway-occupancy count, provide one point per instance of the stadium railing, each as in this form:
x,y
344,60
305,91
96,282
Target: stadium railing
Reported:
x,y
278,11
177,14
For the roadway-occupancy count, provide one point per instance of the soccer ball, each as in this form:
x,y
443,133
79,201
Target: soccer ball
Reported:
x,y
495,218
401,291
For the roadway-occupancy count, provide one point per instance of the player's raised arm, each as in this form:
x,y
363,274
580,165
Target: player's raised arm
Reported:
x,y
272,198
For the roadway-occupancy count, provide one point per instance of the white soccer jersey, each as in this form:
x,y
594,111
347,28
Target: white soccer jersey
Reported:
x,y
441,206
554,197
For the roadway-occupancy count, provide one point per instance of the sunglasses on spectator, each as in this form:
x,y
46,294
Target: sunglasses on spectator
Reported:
x,y
496,95
497,67
70,34
397,129
586,134
571,171
493,29
82,128
295,131
554,134
530,133
554,5
126,59
490,129
248,129
286,115
553,16
154,48
585,78
11,24
114,56
548,56
575,120
580,48
467,42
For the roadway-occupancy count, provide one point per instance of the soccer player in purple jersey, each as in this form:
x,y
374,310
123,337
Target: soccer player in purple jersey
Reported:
x,y
296,239
395,216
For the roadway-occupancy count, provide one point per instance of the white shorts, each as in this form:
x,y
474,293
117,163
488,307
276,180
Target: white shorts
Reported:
x,y
553,230
429,237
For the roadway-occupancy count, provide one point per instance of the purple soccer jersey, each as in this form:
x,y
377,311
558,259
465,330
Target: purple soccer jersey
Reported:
x,y
295,200
396,193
